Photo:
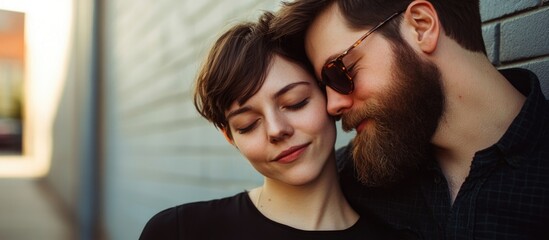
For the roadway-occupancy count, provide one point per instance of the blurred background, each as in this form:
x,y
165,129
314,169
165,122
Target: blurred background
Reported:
x,y
97,127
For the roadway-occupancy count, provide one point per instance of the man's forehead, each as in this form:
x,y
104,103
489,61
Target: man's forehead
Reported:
x,y
327,37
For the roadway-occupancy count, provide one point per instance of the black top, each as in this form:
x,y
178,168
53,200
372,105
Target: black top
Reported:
x,y
505,196
236,217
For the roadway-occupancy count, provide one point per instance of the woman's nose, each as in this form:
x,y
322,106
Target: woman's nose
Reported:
x,y
278,127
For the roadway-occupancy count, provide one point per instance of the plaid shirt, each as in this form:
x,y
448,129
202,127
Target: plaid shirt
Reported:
x,y
505,196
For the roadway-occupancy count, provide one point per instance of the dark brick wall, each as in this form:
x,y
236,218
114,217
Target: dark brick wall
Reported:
x,y
516,33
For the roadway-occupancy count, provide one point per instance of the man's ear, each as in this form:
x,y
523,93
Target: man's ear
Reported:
x,y
226,135
423,19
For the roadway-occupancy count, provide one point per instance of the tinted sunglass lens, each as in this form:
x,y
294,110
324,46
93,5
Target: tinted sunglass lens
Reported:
x,y
336,78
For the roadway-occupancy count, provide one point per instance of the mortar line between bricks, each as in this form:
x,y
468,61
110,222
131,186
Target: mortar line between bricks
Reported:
x,y
524,12
524,60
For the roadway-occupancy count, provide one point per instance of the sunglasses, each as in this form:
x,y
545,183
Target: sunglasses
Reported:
x,y
335,74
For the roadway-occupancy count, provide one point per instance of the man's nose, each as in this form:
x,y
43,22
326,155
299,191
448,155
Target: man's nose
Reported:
x,y
337,103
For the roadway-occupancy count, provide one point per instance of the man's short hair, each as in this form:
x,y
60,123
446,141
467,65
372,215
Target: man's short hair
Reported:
x,y
460,19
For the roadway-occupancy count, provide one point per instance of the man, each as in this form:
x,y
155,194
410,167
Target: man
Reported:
x,y
447,146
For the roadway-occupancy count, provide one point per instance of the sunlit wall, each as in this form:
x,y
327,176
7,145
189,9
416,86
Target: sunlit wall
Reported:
x,y
48,34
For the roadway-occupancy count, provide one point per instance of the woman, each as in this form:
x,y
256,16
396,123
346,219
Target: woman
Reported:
x,y
272,110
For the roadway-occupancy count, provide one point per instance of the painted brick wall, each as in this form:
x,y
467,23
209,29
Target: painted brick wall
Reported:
x,y
516,33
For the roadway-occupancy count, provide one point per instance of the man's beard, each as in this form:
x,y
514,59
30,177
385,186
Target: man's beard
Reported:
x,y
396,142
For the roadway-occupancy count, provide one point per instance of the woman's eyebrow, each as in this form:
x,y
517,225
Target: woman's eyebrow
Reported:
x,y
288,88
237,111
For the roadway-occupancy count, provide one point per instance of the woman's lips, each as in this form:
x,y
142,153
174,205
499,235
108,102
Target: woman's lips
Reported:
x,y
291,154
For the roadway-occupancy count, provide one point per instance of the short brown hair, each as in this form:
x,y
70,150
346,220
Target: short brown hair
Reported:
x,y
235,68
460,19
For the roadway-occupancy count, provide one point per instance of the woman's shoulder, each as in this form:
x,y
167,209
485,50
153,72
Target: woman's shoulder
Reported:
x,y
208,209
180,220
220,202
163,225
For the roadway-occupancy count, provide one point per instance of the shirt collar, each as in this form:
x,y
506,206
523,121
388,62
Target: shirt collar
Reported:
x,y
532,121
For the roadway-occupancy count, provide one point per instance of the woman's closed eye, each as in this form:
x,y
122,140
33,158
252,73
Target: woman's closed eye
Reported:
x,y
298,105
293,107
247,128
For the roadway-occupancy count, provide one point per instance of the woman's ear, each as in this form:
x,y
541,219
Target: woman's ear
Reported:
x,y
422,18
226,135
